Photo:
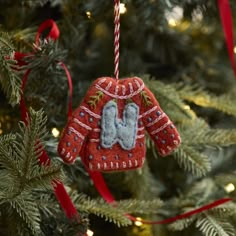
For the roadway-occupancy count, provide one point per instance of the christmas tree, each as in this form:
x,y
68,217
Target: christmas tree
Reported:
x,y
178,49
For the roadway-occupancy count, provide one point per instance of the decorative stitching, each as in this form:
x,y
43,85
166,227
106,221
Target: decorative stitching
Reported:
x,y
131,89
116,89
96,130
140,136
117,96
82,124
93,140
63,151
95,99
123,89
161,128
102,81
156,120
137,83
90,166
90,112
109,85
130,163
115,130
148,112
76,132
141,128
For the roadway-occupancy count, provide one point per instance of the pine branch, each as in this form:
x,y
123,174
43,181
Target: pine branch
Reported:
x,y
29,149
140,206
196,94
192,160
9,76
170,100
181,224
206,137
116,214
102,209
210,225
27,211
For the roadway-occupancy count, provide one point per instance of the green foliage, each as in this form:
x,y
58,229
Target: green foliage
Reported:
x,y
9,76
116,213
192,160
212,226
21,175
196,94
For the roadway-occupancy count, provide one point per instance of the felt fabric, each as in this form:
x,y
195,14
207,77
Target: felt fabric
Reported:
x,y
115,130
108,129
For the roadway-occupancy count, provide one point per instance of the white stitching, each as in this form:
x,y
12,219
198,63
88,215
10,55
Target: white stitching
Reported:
x,y
102,81
109,85
161,128
141,128
156,120
123,89
96,130
117,96
90,112
140,136
76,132
93,140
131,88
116,89
63,151
148,112
82,124
137,83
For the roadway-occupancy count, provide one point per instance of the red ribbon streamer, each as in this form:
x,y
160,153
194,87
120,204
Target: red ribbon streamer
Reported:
x,y
59,189
227,23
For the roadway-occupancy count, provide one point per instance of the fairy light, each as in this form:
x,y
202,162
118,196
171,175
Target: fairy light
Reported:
x,y
187,107
55,132
89,232
172,22
138,221
229,188
235,49
123,8
88,13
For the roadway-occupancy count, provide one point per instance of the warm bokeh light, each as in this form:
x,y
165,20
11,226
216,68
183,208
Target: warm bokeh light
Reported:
x,y
88,13
123,8
229,188
89,232
235,49
172,22
138,221
55,132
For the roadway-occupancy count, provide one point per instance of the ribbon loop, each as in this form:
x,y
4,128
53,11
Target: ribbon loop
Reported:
x,y
53,33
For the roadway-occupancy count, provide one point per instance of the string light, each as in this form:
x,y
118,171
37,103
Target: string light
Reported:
x,y
89,232
55,132
138,222
88,13
229,188
123,8
187,107
172,22
235,49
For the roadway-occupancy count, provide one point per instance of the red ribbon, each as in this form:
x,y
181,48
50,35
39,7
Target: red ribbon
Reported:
x,y
59,189
227,23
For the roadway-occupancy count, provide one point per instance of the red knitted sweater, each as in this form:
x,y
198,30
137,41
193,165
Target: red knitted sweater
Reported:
x,y
108,129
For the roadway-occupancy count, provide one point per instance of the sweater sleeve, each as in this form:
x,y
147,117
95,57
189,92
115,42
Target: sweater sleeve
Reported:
x,y
158,125
74,134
